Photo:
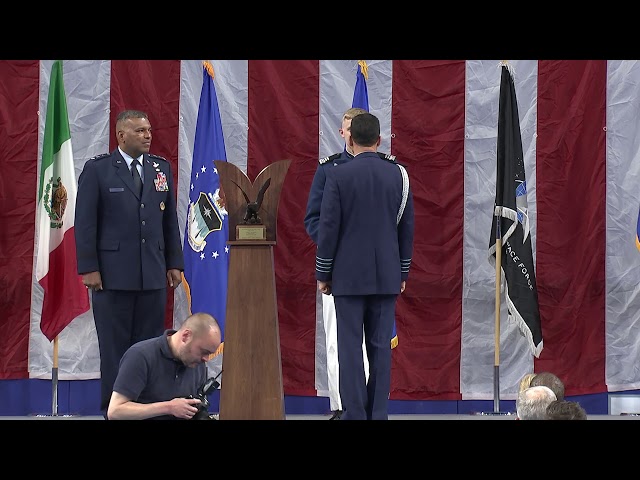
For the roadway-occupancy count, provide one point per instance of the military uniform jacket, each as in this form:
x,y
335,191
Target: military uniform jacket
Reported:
x,y
312,215
132,241
362,248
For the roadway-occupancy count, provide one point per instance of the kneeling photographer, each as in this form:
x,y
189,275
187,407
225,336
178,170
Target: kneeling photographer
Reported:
x,y
165,378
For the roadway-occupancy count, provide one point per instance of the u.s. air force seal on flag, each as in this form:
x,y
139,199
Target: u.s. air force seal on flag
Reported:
x,y
55,201
205,216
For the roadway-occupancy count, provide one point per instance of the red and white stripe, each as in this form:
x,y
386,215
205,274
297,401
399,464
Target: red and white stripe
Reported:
x,y
580,138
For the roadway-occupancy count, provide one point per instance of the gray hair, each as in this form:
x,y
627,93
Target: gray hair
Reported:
x,y
532,402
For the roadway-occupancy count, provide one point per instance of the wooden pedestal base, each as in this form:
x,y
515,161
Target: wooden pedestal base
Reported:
x,y
251,387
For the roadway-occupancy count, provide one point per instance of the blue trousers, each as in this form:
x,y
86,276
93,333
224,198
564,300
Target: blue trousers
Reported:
x,y
123,318
373,315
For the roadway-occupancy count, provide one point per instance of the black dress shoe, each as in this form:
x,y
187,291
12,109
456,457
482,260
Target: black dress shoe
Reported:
x,y
336,415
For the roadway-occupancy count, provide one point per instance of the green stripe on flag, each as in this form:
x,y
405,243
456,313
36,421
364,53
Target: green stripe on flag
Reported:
x,y
56,129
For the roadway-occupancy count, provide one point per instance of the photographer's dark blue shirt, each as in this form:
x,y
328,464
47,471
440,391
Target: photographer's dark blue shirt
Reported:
x,y
149,373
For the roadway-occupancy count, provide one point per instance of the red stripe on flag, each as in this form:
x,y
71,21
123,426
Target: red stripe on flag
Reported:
x,y
19,99
63,286
284,124
429,123
571,235
152,86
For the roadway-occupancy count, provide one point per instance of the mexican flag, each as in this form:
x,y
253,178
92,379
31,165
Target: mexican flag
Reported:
x,y
65,297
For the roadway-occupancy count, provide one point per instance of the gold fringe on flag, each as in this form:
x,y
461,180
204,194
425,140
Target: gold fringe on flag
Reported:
x,y
187,289
218,351
364,69
207,64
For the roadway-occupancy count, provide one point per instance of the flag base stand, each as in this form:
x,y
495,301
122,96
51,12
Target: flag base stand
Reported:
x,y
54,415
496,392
493,413
42,416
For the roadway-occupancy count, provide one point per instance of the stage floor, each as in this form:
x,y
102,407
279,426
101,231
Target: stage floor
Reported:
x,y
490,416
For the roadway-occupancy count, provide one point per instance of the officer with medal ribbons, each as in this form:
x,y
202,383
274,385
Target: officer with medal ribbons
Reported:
x,y
127,242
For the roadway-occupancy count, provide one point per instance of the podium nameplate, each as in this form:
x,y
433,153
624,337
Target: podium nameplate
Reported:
x,y
251,232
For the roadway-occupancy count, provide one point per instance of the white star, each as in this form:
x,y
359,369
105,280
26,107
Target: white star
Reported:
x,y
215,170
203,169
226,249
192,187
202,256
214,254
207,212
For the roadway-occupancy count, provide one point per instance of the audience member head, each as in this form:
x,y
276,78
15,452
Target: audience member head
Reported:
x,y
532,403
197,338
550,380
525,382
565,410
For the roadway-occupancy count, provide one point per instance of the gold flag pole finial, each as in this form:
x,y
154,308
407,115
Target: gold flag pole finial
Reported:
x,y
509,66
364,69
207,64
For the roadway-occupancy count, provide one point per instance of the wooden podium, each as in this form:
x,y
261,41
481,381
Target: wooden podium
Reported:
x,y
251,387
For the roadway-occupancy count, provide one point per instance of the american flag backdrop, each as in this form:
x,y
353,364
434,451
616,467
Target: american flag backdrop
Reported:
x,y
580,125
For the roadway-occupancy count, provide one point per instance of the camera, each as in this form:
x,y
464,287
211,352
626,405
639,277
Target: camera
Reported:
x,y
203,407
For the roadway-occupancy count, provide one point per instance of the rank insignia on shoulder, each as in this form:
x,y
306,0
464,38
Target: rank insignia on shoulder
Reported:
x,y
330,158
102,155
387,156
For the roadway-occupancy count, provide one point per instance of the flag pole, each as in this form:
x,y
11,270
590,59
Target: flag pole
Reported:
x,y
511,211
56,262
496,360
54,379
508,147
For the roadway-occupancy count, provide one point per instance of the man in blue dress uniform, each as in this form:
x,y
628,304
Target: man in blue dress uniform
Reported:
x,y
127,242
311,220
365,243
